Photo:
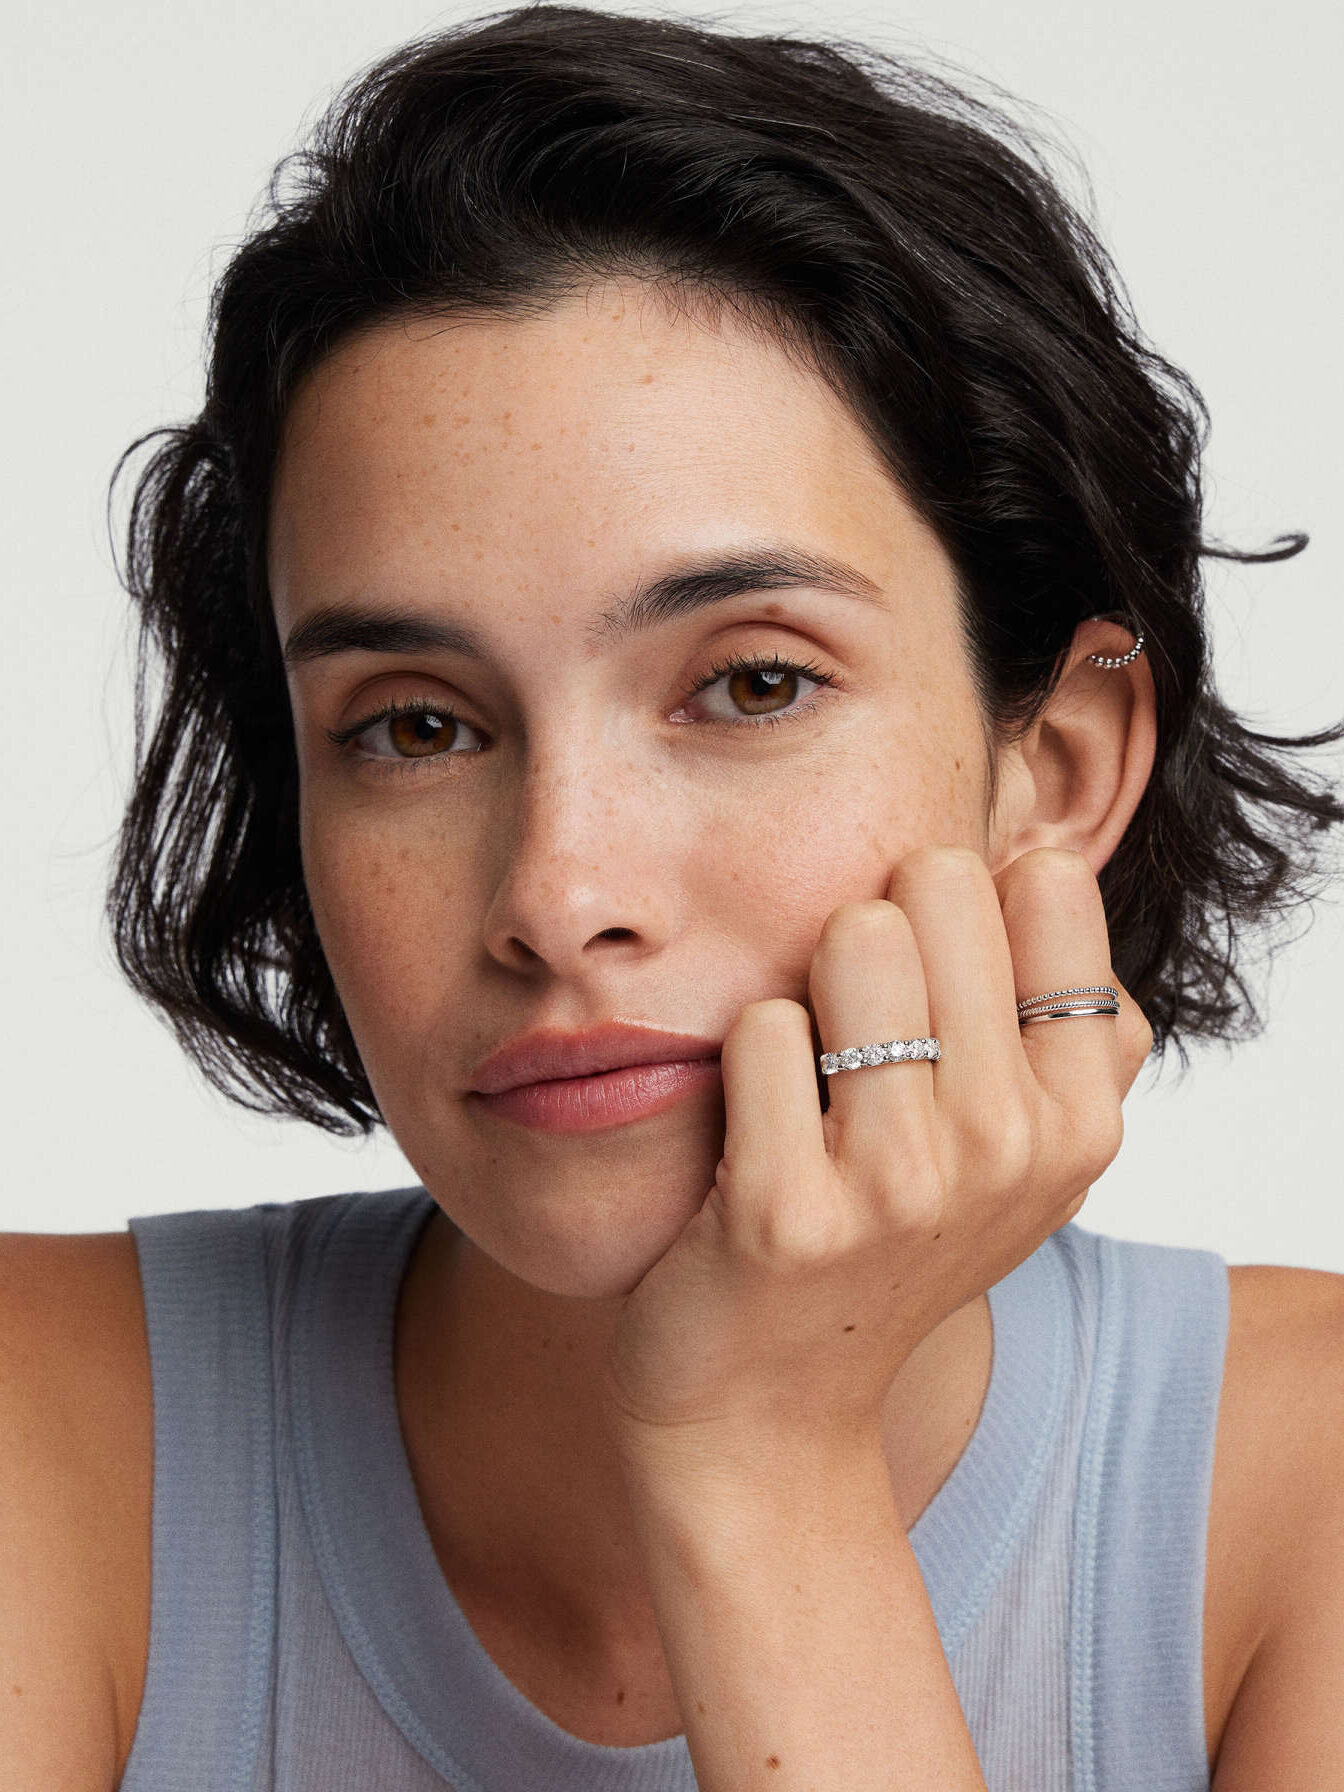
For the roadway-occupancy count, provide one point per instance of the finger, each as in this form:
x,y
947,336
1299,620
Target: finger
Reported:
x,y
773,1140
952,903
1056,927
866,986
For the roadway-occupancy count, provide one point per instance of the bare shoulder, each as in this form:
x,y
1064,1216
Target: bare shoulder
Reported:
x,y
76,1478
1275,1587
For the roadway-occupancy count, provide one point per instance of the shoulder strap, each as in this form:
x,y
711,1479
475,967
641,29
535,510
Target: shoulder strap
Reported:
x,y
214,1523
1142,1516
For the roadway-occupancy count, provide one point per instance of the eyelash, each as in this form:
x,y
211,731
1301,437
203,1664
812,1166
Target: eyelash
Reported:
x,y
341,737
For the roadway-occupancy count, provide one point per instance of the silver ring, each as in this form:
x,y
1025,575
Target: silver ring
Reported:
x,y
1026,1020
1081,989
888,1051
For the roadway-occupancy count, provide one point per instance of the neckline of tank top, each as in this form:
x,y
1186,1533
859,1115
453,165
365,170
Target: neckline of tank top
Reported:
x,y
397,1613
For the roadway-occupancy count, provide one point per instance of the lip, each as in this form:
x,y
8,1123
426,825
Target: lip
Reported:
x,y
549,1054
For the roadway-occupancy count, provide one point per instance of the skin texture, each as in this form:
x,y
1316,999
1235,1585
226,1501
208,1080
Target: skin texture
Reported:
x,y
518,477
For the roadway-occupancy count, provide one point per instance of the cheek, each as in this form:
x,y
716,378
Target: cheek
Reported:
x,y
383,905
768,874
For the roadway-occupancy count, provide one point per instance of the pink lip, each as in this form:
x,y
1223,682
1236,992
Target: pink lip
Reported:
x,y
549,1053
605,1076
605,1098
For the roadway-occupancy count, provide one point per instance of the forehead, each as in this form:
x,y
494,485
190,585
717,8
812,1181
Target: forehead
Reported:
x,y
543,452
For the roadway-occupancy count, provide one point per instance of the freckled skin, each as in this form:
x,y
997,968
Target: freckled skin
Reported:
x,y
520,476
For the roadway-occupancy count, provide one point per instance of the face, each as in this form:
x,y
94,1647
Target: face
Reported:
x,y
585,816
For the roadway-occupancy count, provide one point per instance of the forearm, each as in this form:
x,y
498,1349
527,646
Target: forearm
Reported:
x,y
798,1634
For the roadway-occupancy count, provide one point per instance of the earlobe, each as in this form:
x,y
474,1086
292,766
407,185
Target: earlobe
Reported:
x,y
1076,777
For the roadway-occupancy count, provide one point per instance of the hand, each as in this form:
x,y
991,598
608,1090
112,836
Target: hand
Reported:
x,y
831,1244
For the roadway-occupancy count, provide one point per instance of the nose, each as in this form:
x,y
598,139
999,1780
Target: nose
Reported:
x,y
576,871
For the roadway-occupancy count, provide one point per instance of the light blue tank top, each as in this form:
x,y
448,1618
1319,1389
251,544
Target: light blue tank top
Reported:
x,y
303,1637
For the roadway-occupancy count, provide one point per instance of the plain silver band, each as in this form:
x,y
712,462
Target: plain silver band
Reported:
x,y
1026,1020
885,1051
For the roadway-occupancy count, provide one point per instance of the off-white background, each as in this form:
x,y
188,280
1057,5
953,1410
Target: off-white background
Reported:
x,y
136,136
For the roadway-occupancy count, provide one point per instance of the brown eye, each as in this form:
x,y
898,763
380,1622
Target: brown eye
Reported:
x,y
761,691
421,733
754,690
407,731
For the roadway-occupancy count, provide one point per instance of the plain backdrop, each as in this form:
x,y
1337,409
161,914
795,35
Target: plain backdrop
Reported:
x,y
137,136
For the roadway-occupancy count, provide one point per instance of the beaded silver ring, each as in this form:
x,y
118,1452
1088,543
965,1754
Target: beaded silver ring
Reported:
x,y
1059,1004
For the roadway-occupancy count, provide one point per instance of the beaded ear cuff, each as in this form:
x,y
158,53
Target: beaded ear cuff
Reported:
x,y
1123,659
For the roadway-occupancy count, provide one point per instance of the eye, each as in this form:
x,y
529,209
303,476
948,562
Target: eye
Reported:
x,y
766,689
406,732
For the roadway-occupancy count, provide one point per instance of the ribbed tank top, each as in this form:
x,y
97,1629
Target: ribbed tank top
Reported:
x,y
303,1637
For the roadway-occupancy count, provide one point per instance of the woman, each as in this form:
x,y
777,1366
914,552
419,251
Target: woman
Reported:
x,y
686,699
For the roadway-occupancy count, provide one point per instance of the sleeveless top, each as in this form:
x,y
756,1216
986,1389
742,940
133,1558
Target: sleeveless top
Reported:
x,y
303,1637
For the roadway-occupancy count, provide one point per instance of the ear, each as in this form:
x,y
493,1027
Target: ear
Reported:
x,y
1075,779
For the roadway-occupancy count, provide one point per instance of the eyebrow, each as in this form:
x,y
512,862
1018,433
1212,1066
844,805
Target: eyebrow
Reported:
x,y
359,628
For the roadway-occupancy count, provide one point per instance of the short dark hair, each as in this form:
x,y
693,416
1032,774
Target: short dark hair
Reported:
x,y
910,235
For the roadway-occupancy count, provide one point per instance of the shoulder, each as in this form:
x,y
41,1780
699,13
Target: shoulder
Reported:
x,y
76,1475
1280,1436
1275,1588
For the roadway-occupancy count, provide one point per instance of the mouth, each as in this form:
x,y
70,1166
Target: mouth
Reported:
x,y
552,1054
596,1100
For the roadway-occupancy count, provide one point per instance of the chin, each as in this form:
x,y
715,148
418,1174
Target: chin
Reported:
x,y
573,1242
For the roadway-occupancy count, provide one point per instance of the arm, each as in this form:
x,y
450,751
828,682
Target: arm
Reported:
x,y
750,1366
67,1507
798,1634
1276,1606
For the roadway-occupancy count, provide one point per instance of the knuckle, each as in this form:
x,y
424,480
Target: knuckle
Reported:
x,y
799,1235
1101,1140
916,1196
1138,1032
1004,1140
1074,1206
996,1147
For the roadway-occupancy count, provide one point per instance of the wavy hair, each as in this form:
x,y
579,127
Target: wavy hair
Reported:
x,y
910,237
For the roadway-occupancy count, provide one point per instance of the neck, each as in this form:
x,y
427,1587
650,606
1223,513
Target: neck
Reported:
x,y
523,1496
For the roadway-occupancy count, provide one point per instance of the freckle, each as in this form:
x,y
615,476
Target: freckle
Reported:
x,y
772,1760
20,1689
699,1707
620,1695
849,1328
427,419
